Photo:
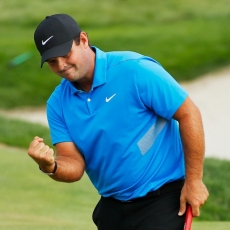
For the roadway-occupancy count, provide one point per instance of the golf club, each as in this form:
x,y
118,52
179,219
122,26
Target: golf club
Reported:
x,y
188,218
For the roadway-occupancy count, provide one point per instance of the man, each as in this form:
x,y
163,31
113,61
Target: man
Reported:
x,y
124,120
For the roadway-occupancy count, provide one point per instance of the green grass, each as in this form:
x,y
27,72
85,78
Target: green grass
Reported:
x,y
31,200
188,38
216,178
20,133
211,225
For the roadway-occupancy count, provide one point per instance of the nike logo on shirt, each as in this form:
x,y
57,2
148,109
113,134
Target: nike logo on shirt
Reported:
x,y
108,99
43,43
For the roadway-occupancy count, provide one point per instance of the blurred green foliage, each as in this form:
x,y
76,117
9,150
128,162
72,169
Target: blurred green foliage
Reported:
x,y
216,178
20,133
188,38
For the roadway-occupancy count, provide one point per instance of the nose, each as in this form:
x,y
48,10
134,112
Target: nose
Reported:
x,y
60,63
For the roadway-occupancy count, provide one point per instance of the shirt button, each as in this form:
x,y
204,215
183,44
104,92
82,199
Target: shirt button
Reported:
x,y
88,99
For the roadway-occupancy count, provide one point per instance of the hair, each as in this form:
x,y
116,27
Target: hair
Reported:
x,y
77,40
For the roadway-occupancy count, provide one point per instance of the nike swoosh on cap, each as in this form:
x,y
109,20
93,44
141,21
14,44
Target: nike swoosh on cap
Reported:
x,y
43,43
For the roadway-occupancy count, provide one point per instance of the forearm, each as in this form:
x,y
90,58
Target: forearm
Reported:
x,y
194,191
68,170
192,135
70,163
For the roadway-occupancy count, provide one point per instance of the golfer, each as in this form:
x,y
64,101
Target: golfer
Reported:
x,y
124,120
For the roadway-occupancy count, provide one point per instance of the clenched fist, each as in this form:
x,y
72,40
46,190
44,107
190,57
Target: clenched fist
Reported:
x,y
42,154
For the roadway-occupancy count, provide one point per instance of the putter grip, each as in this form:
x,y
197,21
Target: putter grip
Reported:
x,y
188,218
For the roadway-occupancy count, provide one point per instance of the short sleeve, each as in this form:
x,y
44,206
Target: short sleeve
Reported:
x,y
58,129
158,90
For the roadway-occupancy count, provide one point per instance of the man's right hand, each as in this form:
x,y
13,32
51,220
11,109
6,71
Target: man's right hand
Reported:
x,y
42,154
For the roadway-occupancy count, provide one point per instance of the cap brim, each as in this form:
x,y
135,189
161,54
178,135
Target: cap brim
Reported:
x,y
57,51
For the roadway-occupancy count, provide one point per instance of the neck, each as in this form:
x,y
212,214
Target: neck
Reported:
x,y
86,86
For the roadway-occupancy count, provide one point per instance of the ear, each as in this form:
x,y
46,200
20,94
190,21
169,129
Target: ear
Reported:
x,y
84,39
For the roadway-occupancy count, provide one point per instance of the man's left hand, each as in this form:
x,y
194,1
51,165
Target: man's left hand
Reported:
x,y
194,193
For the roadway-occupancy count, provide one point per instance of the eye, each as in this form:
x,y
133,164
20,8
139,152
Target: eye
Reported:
x,y
51,61
67,55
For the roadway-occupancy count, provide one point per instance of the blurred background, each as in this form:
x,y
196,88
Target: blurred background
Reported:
x,y
189,38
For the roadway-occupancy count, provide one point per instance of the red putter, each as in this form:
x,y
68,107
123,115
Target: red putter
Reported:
x,y
188,218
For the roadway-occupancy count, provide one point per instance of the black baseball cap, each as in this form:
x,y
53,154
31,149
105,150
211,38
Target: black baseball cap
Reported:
x,y
54,36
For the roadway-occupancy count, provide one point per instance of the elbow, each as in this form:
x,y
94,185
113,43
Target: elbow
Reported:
x,y
68,178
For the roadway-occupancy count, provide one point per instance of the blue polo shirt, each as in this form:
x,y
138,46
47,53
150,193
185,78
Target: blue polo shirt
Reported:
x,y
123,127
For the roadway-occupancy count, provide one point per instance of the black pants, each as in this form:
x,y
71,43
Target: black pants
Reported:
x,y
158,210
